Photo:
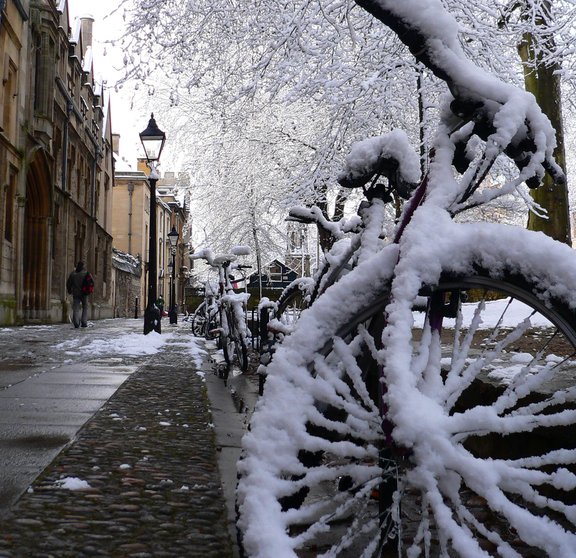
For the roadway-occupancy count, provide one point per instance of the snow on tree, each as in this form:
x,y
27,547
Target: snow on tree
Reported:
x,y
351,76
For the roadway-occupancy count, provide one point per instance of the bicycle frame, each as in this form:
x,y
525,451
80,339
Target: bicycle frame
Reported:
x,y
357,358
231,307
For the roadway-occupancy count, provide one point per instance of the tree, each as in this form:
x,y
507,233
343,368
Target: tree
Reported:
x,y
543,39
543,80
345,71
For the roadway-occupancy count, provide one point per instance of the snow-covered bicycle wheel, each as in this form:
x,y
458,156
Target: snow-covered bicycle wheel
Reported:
x,y
233,344
204,322
199,322
475,457
236,347
293,300
291,303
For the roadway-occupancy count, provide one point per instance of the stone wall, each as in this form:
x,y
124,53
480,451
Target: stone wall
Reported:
x,y
127,271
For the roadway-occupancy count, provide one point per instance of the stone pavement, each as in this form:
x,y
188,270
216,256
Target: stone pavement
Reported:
x,y
152,474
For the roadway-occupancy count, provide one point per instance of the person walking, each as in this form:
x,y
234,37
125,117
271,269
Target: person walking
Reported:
x,y
80,284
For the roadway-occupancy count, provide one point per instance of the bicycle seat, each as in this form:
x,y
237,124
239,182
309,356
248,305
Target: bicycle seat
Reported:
x,y
224,258
387,167
241,250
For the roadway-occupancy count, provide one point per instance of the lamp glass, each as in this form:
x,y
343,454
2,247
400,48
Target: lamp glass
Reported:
x,y
152,139
173,237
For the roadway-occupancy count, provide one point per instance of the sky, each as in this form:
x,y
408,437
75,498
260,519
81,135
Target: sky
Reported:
x,y
126,120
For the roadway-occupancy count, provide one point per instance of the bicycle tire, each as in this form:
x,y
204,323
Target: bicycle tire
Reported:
x,y
352,466
228,348
293,301
241,352
198,325
234,346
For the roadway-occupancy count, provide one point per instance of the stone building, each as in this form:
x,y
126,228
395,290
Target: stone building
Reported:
x,y
131,222
173,192
56,163
127,279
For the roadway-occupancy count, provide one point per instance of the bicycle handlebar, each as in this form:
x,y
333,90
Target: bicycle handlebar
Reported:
x,y
220,260
528,138
309,215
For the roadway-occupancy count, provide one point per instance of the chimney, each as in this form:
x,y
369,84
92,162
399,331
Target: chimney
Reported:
x,y
87,24
142,166
116,143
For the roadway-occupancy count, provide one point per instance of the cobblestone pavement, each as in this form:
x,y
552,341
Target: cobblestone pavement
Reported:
x,y
149,461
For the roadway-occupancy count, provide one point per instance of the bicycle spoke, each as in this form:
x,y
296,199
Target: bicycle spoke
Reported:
x,y
482,470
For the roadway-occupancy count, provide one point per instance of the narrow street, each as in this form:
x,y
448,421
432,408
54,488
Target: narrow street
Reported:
x,y
116,444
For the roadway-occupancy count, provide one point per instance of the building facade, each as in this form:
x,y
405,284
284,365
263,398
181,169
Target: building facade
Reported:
x,y
131,222
131,229
173,192
56,164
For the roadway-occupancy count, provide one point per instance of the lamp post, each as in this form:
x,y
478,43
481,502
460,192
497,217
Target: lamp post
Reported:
x,y
173,239
153,140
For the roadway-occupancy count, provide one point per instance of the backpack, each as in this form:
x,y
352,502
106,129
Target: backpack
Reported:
x,y
87,284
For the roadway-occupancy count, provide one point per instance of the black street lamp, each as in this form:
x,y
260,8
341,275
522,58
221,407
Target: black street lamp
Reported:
x,y
173,239
153,140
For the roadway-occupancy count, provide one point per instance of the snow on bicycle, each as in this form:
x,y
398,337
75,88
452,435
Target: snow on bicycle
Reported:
x,y
229,323
378,434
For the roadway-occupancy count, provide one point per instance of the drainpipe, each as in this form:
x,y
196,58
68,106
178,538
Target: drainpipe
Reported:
x,y
130,194
65,141
97,157
66,219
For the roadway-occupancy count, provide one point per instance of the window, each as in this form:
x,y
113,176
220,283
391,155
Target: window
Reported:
x,y
84,108
275,273
79,241
71,166
79,180
9,97
56,235
9,207
87,185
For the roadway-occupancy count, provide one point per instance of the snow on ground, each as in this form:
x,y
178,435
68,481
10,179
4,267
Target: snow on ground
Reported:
x,y
133,344
195,347
72,483
130,344
495,311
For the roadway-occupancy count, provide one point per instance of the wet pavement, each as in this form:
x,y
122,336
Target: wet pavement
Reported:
x,y
107,454
39,415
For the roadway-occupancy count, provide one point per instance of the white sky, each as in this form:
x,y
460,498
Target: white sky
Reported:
x,y
126,121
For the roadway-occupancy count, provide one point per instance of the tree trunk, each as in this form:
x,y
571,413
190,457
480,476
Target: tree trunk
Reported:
x,y
543,81
257,250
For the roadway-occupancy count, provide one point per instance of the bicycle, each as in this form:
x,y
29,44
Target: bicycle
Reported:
x,y
229,307
352,238
204,320
380,433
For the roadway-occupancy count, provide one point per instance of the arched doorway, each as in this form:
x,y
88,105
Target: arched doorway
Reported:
x,y
35,265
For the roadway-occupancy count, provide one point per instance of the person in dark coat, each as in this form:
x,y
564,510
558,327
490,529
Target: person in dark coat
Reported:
x,y
79,299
